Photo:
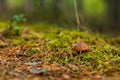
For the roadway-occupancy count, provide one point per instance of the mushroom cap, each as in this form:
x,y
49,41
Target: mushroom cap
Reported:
x,y
80,47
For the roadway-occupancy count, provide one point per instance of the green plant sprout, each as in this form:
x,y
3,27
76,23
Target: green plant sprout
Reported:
x,y
14,28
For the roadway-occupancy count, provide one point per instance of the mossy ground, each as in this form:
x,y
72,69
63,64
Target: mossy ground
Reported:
x,y
51,46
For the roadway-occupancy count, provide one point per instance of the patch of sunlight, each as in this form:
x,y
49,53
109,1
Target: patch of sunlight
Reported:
x,y
94,7
14,3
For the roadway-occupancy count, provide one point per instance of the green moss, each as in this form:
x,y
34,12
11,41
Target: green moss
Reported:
x,y
16,42
32,51
55,46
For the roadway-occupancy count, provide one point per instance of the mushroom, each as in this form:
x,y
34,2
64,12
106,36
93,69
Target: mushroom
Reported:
x,y
81,47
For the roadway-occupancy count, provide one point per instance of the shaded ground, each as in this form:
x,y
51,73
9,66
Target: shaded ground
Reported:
x,y
48,55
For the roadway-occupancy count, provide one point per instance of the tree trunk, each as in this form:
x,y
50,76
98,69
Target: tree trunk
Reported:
x,y
42,3
114,13
29,7
57,9
2,5
78,16
41,6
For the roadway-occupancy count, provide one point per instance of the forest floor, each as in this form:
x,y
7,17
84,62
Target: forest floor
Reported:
x,y
44,52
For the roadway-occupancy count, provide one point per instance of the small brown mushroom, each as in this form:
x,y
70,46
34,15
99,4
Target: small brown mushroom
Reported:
x,y
81,47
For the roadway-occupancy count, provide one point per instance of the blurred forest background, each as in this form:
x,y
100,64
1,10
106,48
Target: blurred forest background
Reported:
x,y
98,15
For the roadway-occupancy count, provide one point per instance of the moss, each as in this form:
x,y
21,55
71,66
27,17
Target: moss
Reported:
x,y
16,42
55,46
32,51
